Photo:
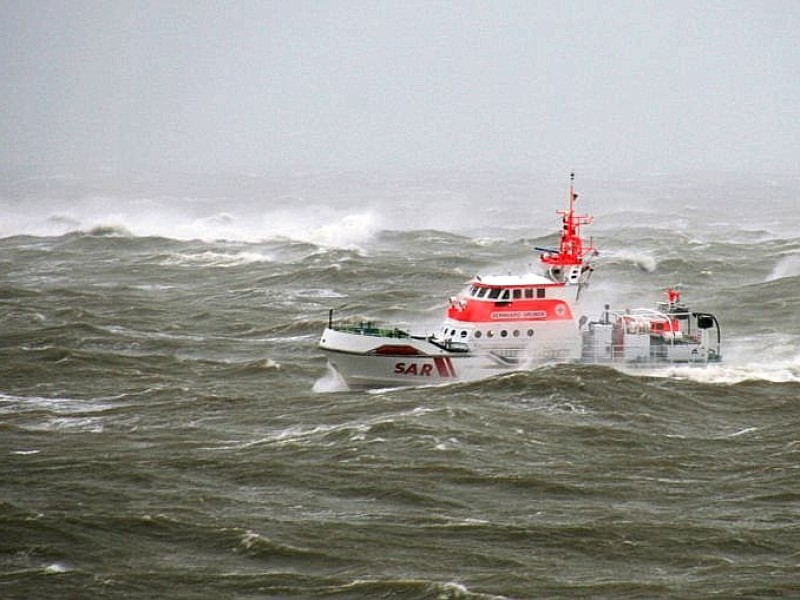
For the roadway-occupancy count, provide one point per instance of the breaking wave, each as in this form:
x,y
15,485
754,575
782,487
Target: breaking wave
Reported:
x,y
788,266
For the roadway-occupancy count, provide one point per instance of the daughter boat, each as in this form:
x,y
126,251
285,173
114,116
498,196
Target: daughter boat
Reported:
x,y
500,323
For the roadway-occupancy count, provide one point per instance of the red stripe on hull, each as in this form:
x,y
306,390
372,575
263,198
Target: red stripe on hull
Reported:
x,y
449,362
441,366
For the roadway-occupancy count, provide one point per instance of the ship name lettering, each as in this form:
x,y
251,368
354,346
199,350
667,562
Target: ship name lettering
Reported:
x,y
519,314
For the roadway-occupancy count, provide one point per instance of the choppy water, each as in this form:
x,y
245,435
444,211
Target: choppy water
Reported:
x,y
168,430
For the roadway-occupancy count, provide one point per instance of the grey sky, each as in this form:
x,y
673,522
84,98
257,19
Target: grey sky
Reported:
x,y
606,86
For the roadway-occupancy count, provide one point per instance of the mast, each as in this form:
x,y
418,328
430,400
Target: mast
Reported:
x,y
570,263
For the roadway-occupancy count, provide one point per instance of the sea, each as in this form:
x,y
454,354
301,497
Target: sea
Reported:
x,y
170,429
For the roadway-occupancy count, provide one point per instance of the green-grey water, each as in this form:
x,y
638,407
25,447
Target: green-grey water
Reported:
x,y
168,428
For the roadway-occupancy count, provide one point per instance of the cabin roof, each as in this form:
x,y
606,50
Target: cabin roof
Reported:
x,y
527,279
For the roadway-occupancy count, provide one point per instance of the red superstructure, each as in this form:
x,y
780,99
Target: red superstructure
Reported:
x,y
570,263
510,299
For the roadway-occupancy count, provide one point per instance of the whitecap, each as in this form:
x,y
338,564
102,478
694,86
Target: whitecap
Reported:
x,y
85,424
645,261
323,227
210,258
320,293
744,431
782,371
330,382
58,405
788,266
56,569
267,364
251,539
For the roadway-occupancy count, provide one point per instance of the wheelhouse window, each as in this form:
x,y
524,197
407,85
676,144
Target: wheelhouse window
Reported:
x,y
540,292
517,294
529,293
494,293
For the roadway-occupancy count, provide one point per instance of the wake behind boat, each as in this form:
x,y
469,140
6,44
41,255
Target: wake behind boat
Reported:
x,y
499,323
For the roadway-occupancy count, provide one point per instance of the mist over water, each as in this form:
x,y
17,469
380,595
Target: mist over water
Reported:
x,y
170,428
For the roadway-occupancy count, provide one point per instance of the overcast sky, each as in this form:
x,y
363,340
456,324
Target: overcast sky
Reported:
x,y
605,86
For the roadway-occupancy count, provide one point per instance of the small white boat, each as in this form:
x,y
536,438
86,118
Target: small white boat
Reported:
x,y
508,322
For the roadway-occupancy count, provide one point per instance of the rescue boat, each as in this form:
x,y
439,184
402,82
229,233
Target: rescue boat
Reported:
x,y
499,323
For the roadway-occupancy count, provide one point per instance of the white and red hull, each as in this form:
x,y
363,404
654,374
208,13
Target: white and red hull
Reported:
x,y
364,359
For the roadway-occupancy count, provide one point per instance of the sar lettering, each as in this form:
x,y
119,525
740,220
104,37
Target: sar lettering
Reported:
x,y
420,370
